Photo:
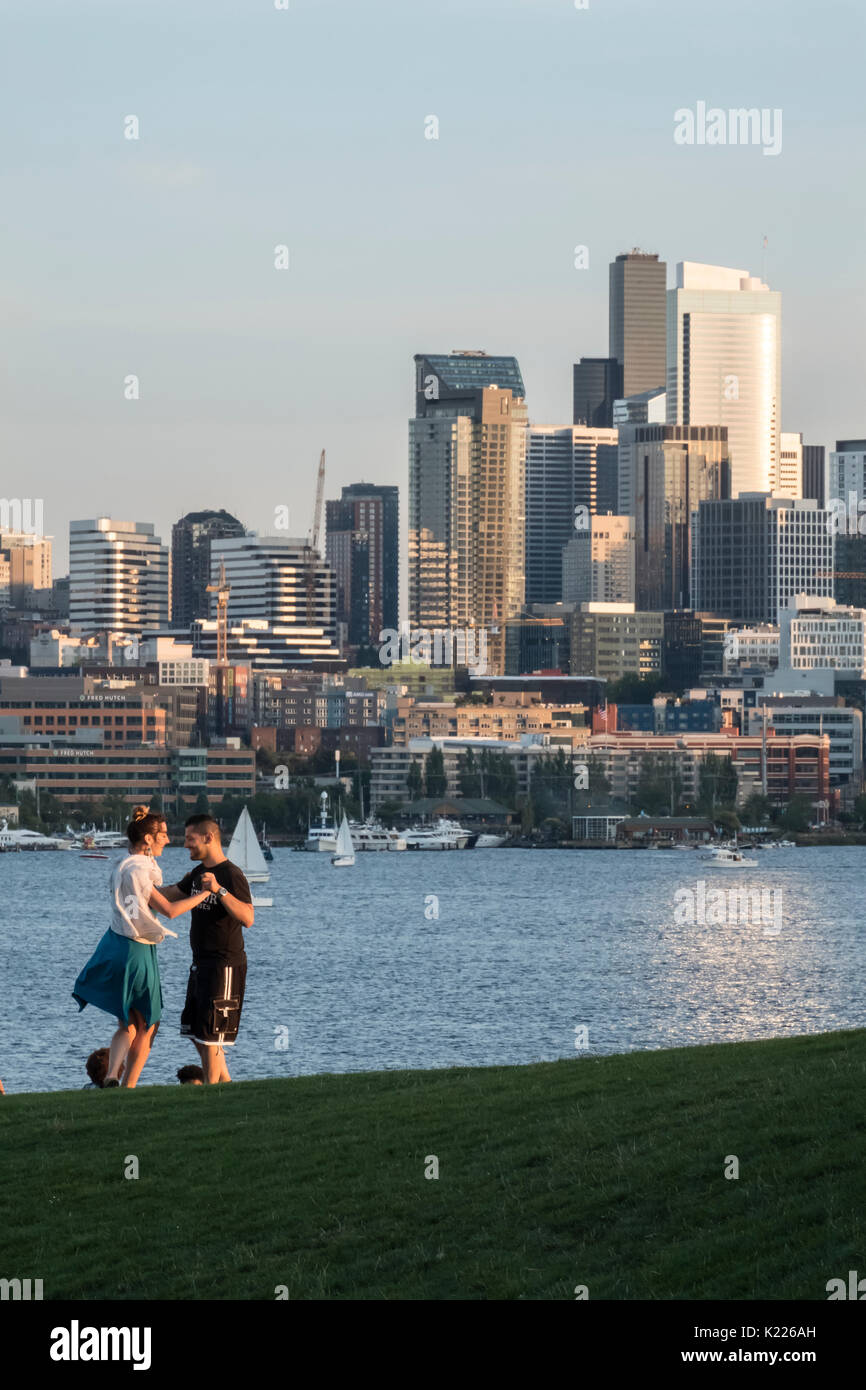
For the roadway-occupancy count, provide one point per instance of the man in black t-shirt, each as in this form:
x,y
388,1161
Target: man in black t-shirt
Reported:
x,y
215,992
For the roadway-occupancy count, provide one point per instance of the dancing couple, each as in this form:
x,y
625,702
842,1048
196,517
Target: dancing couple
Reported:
x,y
122,975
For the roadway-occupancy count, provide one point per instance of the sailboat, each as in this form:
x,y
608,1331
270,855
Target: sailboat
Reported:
x,y
246,852
265,844
345,855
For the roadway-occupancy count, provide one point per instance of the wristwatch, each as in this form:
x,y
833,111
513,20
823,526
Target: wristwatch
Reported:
x,y
221,892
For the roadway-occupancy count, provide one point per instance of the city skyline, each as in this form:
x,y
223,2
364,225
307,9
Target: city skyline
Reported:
x,y
245,369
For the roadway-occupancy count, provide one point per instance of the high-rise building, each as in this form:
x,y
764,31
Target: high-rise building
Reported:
x,y
665,472
788,480
813,472
845,483
467,467
637,320
568,467
724,366
276,579
118,576
597,383
646,408
598,563
29,559
753,553
191,539
361,547
846,475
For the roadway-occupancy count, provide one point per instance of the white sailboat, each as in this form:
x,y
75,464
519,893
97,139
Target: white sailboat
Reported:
x,y
246,852
345,855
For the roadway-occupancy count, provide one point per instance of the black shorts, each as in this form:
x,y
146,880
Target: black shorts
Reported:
x,y
214,999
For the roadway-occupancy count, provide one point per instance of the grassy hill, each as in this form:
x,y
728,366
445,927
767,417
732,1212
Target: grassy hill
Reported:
x,y
605,1172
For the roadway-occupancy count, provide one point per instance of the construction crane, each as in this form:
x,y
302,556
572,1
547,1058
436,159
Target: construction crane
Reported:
x,y
311,549
221,590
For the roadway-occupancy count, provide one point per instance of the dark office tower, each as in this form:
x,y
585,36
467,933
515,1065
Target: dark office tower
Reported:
x,y
597,384
682,649
361,547
672,468
638,312
190,561
813,472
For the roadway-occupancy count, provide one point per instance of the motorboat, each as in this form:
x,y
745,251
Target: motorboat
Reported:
x,y
372,835
13,839
489,842
322,838
443,834
726,857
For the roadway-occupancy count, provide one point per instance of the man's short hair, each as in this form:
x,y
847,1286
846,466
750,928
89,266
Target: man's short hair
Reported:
x,y
96,1066
204,824
187,1075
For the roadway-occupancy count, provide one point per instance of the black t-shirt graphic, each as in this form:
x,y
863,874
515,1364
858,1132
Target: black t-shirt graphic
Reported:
x,y
214,934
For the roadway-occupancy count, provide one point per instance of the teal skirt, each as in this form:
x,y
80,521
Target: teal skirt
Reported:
x,y
122,974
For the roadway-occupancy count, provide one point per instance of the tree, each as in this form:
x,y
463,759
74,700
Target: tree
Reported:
x,y
389,811
468,776
156,804
27,817
632,689
498,777
552,784
729,821
717,784
654,787
414,781
797,814
756,809
202,805
437,782
860,808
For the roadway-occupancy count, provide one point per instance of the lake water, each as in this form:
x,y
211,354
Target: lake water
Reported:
x,y
528,947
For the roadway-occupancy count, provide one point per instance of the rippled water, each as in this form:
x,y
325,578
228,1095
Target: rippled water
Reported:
x,y
528,946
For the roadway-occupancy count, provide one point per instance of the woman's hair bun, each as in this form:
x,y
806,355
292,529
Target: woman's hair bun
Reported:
x,y
139,812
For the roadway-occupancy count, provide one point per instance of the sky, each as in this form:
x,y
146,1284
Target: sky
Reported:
x,y
305,127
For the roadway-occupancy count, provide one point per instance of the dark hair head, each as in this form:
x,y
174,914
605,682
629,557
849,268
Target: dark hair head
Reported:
x,y
186,1075
204,825
96,1066
144,822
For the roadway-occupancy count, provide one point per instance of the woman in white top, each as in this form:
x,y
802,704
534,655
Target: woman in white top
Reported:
x,y
122,975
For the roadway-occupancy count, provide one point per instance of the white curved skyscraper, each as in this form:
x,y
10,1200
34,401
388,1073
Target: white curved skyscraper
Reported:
x,y
724,366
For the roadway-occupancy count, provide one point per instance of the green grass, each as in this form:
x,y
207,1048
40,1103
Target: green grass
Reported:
x,y
607,1172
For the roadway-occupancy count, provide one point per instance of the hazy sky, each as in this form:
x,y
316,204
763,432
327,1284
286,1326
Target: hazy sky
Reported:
x,y
306,127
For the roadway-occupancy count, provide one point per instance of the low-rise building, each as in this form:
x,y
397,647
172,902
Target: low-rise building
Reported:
x,y
612,640
508,716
